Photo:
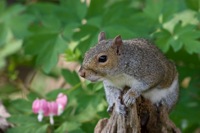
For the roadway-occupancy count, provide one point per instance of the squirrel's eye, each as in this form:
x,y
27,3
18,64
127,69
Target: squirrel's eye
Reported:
x,y
102,58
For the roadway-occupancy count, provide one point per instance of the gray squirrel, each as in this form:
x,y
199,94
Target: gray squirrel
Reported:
x,y
137,64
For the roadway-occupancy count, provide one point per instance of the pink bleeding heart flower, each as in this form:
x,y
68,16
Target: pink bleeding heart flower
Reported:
x,y
52,110
62,101
40,107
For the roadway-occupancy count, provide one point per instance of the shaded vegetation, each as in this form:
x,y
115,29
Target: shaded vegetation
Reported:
x,y
33,33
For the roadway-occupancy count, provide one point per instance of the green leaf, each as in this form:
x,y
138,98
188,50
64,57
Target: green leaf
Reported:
x,y
2,6
68,127
19,103
125,32
176,45
71,77
75,8
186,17
41,9
47,48
188,36
27,125
153,8
12,11
41,129
16,130
193,4
113,10
11,45
3,34
19,29
49,22
72,55
168,13
163,39
84,45
96,8
87,34
20,119
193,46
87,114
68,30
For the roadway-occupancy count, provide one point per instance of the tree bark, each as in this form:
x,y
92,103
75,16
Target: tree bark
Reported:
x,y
142,117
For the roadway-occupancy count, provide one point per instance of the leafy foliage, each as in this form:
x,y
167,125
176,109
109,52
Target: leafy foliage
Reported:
x,y
34,34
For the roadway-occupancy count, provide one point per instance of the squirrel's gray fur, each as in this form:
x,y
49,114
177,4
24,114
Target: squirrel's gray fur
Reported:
x,y
135,63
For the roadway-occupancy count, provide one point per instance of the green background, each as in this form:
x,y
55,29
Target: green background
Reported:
x,y
33,33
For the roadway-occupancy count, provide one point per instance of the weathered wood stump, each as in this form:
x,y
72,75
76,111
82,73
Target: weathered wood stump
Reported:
x,y
142,117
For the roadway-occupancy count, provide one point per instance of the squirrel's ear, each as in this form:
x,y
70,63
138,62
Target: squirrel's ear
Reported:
x,y
117,41
102,36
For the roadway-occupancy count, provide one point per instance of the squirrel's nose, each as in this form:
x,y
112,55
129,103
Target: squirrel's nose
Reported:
x,y
82,72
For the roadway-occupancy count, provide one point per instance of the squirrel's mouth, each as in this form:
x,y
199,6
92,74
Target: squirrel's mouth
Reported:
x,y
90,74
94,78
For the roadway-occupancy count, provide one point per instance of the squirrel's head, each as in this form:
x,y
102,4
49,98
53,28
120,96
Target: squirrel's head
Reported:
x,y
101,60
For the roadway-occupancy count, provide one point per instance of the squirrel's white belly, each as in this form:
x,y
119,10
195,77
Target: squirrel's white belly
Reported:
x,y
168,94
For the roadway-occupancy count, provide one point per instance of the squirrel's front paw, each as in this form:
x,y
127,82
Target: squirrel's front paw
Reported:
x,y
120,109
130,97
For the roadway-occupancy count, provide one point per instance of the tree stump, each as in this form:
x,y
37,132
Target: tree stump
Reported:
x,y
142,117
